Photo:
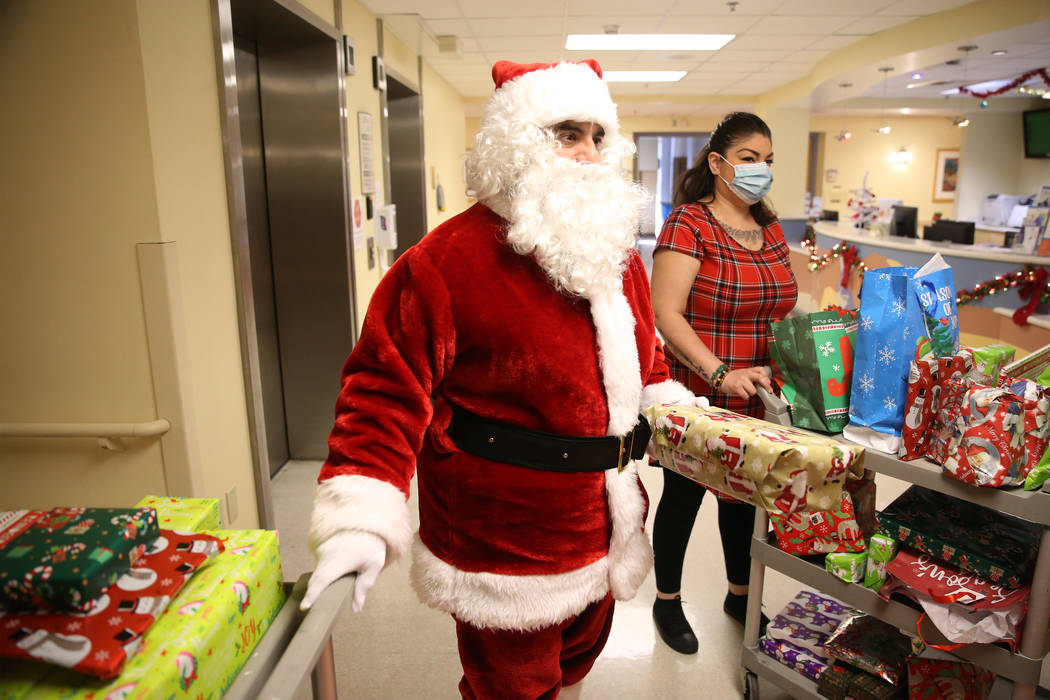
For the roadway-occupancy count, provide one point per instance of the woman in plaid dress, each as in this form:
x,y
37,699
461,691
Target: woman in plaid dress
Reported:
x,y
721,272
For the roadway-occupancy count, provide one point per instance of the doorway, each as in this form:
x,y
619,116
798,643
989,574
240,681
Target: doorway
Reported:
x,y
407,162
283,98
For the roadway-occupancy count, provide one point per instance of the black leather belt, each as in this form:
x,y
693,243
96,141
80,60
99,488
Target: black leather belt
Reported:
x,y
536,449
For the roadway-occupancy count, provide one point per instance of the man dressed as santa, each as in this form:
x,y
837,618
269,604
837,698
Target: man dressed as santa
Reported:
x,y
506,358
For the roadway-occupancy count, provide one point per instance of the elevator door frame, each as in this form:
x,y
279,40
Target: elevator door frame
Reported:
x,y
270,15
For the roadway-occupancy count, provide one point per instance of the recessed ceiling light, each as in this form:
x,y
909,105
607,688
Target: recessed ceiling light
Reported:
x,y
643,76
647,42
999,52
905,110
911,85
916,76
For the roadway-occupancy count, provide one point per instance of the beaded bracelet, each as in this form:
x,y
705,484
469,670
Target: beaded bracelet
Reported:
x,y
719,375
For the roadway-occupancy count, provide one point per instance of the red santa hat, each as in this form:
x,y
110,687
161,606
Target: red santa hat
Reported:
x,y
545,94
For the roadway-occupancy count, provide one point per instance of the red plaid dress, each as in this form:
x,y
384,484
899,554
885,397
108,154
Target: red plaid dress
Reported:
x,y
736,294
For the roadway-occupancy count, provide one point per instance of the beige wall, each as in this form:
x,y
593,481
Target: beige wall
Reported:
x,y
445,146
77,191
870,152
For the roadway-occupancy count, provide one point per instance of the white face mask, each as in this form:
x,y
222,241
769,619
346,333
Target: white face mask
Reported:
x,y
751,181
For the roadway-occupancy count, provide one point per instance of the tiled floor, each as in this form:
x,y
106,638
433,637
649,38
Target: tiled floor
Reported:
x,y
398,648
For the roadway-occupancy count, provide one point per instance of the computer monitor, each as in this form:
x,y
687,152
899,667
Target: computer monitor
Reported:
x,y
829,215
950,231
905,221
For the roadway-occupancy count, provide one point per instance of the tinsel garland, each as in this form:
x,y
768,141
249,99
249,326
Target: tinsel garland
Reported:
x,y
1023,278
1041,72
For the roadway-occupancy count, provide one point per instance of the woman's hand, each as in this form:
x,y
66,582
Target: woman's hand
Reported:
x,y
743,383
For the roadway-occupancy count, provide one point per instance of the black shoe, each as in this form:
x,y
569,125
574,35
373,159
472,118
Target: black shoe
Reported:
x,y
674,629
736,607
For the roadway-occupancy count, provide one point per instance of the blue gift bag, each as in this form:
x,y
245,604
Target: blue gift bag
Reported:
x,y
891,333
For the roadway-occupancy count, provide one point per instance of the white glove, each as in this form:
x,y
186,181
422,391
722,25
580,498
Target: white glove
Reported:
x,y
343,553
698,401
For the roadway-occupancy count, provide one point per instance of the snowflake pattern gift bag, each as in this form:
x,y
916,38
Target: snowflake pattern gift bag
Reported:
x,y
906,313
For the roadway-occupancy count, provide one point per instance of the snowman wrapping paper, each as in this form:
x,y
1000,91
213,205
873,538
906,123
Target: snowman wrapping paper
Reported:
x,y
197,647
779,468
99,640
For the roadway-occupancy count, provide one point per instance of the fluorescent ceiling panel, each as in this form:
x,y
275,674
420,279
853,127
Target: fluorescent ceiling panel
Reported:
x,y
647,42
643,76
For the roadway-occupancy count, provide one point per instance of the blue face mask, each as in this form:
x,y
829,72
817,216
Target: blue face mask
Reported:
x,y
751,181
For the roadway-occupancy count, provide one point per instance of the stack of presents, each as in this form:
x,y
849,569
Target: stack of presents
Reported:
x,y
890,377
153,601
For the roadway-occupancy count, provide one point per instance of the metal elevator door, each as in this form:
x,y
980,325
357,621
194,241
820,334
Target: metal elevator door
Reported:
x,y
246,56
407,162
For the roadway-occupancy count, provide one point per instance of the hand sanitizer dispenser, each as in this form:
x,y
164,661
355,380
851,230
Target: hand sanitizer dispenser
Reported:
x,y
386,230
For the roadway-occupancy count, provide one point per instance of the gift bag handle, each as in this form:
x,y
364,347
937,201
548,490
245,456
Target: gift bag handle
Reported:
x,y
942,647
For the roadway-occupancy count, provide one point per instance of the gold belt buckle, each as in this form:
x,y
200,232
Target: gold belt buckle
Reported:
x,y
622,463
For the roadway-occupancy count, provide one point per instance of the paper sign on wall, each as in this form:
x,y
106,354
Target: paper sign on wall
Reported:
x,y
366,152
357,221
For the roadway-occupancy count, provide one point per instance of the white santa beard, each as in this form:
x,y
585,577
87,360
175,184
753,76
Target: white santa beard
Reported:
x,y
579,221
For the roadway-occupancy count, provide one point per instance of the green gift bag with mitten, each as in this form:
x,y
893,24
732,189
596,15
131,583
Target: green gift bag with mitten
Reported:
x,y
813,365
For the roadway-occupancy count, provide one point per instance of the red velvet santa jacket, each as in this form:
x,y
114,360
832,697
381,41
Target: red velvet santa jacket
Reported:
x,y
462,319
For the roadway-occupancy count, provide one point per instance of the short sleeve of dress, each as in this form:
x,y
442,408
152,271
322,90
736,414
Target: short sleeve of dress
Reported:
x,y
683,232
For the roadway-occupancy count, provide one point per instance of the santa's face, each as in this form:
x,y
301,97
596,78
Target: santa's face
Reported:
x,y
579,141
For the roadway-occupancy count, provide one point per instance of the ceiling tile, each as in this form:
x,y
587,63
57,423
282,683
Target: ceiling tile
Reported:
x,y
719,7
875,24
859,8
509,8
547,45
732,55
810,24
517,26
707,24
735,66
457,27
771,41
832,43
427,8
642,24
617,7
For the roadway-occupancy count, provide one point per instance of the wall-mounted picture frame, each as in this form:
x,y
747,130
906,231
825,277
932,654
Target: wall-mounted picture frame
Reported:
x,y
946,175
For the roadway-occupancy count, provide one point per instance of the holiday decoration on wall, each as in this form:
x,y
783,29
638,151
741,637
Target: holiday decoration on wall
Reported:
x,y
1016,83
1032,282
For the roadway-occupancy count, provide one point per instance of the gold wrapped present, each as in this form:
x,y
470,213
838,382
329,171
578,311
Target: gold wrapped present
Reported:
x,y
779,468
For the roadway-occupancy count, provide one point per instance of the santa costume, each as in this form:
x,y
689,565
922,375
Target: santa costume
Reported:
x,y
524,319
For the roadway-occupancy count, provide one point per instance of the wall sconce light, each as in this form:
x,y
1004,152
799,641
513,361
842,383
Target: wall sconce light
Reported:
x,y
844,136
901,157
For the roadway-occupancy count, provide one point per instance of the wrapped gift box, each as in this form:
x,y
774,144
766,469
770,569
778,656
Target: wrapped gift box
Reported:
x,y
871,645
993,545
198,646
64,558
99,640
184,514
779,468
936,679
825,531
796,635
926,380
841,682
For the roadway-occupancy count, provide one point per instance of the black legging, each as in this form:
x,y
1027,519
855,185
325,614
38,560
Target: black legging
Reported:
x,y
674,519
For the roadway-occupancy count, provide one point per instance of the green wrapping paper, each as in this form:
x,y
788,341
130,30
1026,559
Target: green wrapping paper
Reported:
x,y
184,514
998,547
848,566
64,558
881,550
198,646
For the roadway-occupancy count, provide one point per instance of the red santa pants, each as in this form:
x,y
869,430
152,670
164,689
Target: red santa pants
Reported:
x,y
513,665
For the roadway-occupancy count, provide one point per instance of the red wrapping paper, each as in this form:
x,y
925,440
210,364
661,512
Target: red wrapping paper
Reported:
x,y
98,642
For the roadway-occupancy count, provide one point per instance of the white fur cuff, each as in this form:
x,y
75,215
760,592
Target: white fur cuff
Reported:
x,y
361,503
667,391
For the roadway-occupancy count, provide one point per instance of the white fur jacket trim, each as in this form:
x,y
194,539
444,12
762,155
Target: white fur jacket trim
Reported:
x,y
500,601
361,503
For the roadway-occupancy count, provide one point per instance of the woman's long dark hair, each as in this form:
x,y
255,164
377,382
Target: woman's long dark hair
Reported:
x,y
698,183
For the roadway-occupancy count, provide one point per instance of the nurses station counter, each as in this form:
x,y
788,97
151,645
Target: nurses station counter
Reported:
x,y
981,322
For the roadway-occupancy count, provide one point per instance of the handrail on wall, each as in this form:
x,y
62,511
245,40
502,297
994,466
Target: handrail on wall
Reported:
x,y
109,434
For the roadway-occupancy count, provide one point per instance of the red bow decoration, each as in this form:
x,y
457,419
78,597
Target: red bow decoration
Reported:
x,y
1035,289
849,257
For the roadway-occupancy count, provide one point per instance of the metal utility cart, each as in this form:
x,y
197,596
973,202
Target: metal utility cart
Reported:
x,y
296,646
1022,668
